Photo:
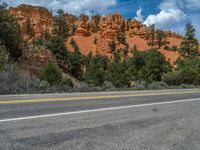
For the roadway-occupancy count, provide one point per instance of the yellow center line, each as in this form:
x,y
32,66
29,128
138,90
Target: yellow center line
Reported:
x,y
91,97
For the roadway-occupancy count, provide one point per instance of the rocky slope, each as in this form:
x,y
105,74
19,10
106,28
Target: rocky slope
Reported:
x,y
94,35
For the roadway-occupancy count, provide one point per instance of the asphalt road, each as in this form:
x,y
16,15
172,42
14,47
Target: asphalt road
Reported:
x,y
144,120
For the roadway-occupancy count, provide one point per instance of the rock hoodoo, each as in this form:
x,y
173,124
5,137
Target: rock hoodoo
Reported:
x,y
83,29
95,34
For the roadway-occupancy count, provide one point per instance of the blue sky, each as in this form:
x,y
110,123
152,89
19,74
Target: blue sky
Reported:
x,y
165,14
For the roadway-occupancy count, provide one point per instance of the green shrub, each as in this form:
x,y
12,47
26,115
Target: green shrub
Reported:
x,y
107,86
86,88
187,72
187,86
157,85
67,81
51,74
60,89
15,82
38,41
173,78
174,48
3,55
139,86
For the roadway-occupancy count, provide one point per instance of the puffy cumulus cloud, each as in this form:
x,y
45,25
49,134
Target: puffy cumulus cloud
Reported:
x,y
169,15
139,15
165,18
174,14
71,6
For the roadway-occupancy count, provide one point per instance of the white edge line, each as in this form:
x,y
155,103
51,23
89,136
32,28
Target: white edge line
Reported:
x,y
98,110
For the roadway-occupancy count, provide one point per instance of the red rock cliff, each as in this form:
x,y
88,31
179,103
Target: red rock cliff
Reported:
x,y
96,34
40,18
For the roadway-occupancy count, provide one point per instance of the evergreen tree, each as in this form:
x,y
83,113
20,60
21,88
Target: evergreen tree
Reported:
x,y
83,17
73,29
160,39
57,46
113,46
60,25
189,45
119,74
96,69
10,34
75,62
51,73
149,65
152,37
29,28
73,44
122,39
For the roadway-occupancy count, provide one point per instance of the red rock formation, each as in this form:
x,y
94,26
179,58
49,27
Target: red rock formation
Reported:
x,y
138,29
111,26
103,30
126,25
94,24
41,19
70,19
83,29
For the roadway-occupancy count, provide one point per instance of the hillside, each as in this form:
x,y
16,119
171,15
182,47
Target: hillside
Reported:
x,y
96,34
41,52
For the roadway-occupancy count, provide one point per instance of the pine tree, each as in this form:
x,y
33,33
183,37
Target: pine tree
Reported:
x,y
160,39
83,17
152,37
113,46
60,25
189,45
96,19
29,28
10,34
75,62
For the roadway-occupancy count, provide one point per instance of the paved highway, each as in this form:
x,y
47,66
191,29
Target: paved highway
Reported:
x,y
163,120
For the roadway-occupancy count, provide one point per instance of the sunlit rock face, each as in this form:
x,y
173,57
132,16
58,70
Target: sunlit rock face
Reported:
x,y
41,19
83,29
95,34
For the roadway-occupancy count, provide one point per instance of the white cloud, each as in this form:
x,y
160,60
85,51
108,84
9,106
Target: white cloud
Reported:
x,y
71,6
139,15
169,15
193,4
174,14
165,18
